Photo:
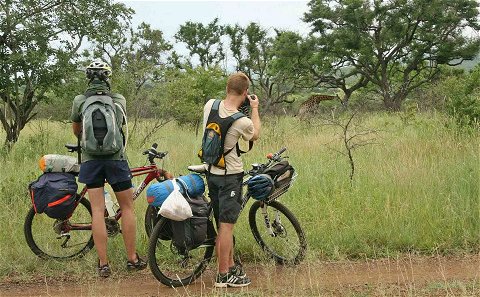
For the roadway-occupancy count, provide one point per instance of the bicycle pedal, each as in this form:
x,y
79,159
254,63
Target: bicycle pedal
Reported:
x,y
64,235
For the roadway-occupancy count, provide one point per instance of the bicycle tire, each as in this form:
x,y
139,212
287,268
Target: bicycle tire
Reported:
x,y
151,219
166,262
282,251
44,241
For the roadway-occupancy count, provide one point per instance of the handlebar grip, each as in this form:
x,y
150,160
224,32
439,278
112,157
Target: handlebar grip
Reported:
x,y
281,151
271,156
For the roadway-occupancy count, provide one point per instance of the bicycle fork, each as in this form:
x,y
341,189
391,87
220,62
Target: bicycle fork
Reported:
x,y
267,220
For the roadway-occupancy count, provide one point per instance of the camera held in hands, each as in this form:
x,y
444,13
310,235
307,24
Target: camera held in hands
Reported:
x,y
245,107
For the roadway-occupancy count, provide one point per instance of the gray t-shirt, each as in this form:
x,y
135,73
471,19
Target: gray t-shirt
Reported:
x,y
241,128
76,117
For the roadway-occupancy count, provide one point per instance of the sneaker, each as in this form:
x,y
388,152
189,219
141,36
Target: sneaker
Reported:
x,y
137,265
104,270
237,270
230,280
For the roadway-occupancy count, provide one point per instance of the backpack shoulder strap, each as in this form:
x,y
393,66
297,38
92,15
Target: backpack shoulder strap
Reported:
x,y
240,151
213,112
235,117
216,104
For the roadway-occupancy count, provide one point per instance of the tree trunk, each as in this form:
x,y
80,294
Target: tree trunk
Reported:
x,y
392,103
14,125
12,136
346,98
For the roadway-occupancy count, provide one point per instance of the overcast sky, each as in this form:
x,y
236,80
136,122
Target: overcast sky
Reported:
x,y
169,15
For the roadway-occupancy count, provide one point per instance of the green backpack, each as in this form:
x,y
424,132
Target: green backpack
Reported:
x,y
102,126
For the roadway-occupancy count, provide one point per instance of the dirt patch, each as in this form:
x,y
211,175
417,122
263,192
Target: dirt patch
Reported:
x,y
407,276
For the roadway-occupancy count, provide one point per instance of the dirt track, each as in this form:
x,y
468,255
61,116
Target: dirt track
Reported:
x,y
408,276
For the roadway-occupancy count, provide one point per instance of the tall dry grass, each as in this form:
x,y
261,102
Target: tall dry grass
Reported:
x,y
415,190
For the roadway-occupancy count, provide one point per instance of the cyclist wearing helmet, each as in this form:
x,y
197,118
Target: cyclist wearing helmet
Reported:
x,y
109,166
225,184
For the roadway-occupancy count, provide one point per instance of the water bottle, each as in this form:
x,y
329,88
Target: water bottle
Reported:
x,y
109,204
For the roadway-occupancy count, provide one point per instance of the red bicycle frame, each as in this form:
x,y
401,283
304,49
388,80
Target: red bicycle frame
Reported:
x,y
152,172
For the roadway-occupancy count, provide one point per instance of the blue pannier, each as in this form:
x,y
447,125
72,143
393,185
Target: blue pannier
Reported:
x,y
191,185
54,194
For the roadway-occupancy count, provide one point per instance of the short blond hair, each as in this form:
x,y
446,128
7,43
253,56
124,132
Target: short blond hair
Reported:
x,y
237,83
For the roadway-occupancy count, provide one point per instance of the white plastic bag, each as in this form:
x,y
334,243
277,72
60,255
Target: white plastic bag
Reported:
x,y
176,207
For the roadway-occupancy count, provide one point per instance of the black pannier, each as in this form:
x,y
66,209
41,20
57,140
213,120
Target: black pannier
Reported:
x,y
54,194
194,231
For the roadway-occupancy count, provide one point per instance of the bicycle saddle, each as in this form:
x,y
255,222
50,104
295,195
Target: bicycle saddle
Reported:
x,y
198,168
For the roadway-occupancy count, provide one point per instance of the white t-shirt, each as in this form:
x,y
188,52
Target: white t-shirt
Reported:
x,y
242,127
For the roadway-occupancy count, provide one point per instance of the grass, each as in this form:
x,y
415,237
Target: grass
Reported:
x,y
416,190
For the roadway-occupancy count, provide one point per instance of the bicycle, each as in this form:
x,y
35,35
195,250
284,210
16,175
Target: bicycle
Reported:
x,y
65,239
273,225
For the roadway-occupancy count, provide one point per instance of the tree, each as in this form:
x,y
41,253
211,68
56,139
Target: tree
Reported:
x,y
186,92
141,53
396,45
38,42
203,41
139,59
255,53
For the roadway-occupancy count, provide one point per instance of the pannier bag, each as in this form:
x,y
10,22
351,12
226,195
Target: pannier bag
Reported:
x,y
58,163
191,184
166,232
192,232
54,194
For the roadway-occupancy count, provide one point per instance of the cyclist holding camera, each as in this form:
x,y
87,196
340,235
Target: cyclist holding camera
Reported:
x,y
225,176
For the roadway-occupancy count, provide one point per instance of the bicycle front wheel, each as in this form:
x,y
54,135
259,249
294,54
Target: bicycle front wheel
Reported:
x,y
151,219
282,238
60,239
169,265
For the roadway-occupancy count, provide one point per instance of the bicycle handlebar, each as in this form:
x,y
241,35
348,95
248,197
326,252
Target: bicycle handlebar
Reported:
x,y
259,168
276,156
153,154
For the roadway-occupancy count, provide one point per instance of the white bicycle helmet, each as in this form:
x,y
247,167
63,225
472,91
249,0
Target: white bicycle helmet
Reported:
x,y
99,69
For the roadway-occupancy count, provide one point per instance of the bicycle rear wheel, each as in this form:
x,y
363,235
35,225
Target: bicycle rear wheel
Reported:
x,y
285,242
170,266
54,239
